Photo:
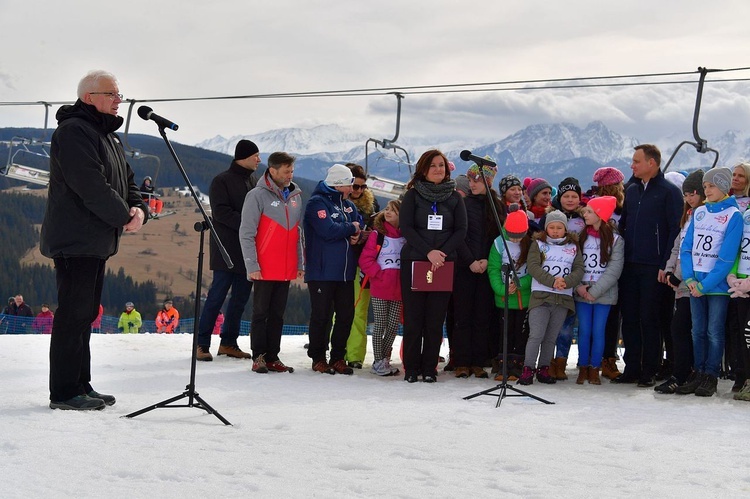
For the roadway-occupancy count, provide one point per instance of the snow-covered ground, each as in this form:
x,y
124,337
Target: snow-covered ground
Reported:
x,y
314,435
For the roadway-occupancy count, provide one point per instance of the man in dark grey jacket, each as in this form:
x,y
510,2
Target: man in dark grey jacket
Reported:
x,y
92,199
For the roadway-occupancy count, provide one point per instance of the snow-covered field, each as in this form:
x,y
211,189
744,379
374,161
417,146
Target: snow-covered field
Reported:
x,y
313,435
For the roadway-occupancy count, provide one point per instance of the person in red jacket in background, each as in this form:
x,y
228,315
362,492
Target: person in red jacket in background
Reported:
x,y
219,322
167,319
96,326
43,321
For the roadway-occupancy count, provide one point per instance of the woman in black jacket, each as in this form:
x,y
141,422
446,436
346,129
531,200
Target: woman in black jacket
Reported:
x,y
433,222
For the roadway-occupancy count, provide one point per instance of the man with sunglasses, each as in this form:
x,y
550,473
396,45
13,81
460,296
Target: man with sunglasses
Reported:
x,y
92,200
367,206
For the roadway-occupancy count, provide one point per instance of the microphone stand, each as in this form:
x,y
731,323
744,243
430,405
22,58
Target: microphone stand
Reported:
x,y
508,269
194,400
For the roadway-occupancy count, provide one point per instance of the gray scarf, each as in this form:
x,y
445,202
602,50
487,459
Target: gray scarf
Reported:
x,y
435,193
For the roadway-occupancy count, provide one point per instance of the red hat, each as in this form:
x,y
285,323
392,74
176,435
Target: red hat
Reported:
x,y
516,223
603,206
608,176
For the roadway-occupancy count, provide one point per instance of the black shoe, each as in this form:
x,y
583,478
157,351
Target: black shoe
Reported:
x,y
646,381
429,378
108,399
355,365
668,387
625,379
694,381
78,403
411,378
708,387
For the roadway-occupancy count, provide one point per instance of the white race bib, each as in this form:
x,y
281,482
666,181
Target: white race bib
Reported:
x,y
708,235
558,261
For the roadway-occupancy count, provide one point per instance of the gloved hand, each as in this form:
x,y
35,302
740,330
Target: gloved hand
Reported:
x,y
130,325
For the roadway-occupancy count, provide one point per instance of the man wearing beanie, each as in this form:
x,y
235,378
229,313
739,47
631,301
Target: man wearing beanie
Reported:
x,y
650,223
227,195
331,228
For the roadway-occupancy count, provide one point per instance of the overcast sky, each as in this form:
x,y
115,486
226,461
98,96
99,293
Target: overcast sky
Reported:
x,y
190,48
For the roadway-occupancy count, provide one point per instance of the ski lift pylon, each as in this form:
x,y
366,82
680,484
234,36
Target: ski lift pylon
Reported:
x,y
700,144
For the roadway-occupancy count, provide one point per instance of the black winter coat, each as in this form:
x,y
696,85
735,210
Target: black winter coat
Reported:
x,y
413,224
650,221
91,188
227,195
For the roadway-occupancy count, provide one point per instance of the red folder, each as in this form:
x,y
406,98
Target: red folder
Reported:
x,y
423,278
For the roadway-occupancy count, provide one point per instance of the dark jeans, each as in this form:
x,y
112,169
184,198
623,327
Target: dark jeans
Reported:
x,y
424,314
79,292
327,298
641,319
269,304
217,293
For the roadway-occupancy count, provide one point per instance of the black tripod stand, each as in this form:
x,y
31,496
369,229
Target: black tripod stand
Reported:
x,y
194,400
508,269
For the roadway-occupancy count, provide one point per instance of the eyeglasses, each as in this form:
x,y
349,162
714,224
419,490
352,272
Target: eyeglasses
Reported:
x,y
112,95
357,187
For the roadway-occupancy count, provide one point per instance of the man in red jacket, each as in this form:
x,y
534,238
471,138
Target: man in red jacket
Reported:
x,y
272,249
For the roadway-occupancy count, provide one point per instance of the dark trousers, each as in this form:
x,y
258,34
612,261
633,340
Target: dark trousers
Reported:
x,y
518,331
269,304
79,292
612,331
682,340
641,319
666,309
739,335
327,298
472,313
424,314
217,293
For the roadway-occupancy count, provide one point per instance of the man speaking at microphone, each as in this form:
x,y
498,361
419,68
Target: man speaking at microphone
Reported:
x,y
92,199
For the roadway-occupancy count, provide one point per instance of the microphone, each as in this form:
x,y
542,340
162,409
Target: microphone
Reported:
x,y
147,113
465,155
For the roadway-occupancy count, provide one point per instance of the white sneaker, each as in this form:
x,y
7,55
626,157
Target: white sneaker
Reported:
x,y
380,368
387,362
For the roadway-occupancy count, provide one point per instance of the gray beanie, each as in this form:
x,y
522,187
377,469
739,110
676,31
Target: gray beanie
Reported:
x,y
693,183
720,177
556,216
462,184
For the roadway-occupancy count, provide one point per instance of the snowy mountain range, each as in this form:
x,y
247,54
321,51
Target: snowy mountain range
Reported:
x,y
552,151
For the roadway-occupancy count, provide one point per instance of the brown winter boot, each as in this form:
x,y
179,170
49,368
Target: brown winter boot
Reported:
x,y
583,374
594,376
553,368
560,368
609,368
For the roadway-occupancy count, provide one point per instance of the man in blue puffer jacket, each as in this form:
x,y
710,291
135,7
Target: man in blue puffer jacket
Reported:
x,y
331,229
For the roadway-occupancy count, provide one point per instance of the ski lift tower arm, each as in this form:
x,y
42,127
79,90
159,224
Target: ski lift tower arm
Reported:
x,y
700,144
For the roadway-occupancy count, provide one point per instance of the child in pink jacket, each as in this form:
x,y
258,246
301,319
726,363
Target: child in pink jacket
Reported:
x,y
381,262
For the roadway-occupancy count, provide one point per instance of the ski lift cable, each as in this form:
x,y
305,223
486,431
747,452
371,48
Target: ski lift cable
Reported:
x,y
458,87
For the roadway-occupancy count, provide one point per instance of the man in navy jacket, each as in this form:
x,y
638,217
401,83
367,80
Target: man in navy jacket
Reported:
x,y
331,228
650,222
